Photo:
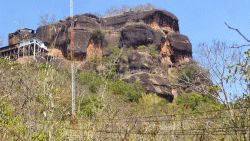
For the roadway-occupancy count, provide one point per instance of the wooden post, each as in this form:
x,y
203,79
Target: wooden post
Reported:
x,y
14,53
34,51
18,52
29,50
23,51
39,51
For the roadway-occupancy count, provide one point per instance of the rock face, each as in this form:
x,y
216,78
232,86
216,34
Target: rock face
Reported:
x,y
176,48
136,35
156,31
19,35
155,18
130,29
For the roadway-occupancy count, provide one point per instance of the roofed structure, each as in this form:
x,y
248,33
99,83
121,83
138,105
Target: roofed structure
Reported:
x,y
30,47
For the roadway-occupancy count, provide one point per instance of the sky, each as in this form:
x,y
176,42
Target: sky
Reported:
x,y
200,20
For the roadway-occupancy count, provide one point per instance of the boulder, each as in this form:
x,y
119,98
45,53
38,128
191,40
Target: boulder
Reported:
x,y
136,35
19,35
81,40
151,83
140,61
135,61
180,42
87,21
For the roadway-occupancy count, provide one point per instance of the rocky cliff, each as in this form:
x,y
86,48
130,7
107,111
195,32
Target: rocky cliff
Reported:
x,y
150,42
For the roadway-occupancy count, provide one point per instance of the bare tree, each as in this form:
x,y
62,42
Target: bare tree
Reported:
x,y
120,10
229,69
144,7
217,58
47,19
1,41
117,10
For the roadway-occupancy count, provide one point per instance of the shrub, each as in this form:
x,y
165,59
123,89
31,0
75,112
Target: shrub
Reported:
x,y
6,62
196,102
131,91
90,105
151,100
187,73
150,48
40,136
97,36
192,73
41,66
10,124
6,114
151,104
92,80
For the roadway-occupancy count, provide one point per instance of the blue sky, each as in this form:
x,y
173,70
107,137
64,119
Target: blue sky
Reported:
x,y
200,20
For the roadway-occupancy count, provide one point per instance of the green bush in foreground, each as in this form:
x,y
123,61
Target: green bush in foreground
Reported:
x,y
6,62
11,125
90,105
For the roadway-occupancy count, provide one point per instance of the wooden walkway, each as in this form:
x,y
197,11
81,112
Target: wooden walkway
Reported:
x,y
32,47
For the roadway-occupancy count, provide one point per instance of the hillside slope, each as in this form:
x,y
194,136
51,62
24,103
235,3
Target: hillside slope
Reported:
x,y
136,80
36,105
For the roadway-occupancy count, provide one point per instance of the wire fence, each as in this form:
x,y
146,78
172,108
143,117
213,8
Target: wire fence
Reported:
x,y
198,130
174,115
218,131
165,126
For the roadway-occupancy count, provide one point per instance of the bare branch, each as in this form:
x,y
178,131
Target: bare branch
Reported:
x,y
238,31
47,19
240,46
